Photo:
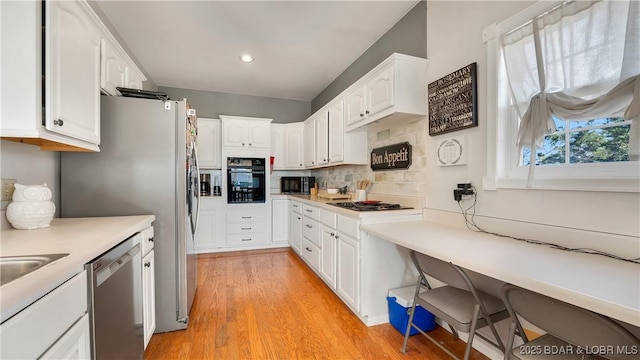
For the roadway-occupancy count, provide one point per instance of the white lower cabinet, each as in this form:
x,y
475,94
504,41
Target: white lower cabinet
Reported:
x,y
246,226
74,344
311,254
279,221
148,284
348,271
295,231
148,296
328,258
50,327
210,234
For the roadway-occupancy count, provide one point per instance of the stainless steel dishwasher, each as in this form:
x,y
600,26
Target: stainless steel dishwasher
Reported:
x,y
115,302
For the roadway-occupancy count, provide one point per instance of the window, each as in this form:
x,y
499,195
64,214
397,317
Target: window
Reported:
x,y
564,91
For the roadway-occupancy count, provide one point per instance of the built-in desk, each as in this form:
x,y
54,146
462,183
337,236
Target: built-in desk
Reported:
x,y
598,283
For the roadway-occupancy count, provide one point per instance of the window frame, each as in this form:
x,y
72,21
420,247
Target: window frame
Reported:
x,y
502,129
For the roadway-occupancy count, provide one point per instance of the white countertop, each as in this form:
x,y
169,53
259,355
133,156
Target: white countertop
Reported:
x,y
598,283
82,238
366,216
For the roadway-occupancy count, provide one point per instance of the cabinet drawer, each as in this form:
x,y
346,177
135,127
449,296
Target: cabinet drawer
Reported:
x,y
311,254
246,239
328,218
33,330
311,230
245,216
311,211
296,207
146,242
349,226
246,228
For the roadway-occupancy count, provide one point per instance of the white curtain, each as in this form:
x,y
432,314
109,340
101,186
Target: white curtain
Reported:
x,y
578,61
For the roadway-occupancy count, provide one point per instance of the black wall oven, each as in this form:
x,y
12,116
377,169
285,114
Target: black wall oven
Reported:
x,y
246,180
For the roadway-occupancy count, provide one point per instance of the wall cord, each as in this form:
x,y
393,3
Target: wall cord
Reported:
x,y
469,220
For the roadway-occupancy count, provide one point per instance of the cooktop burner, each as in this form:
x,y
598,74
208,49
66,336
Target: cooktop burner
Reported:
x,y
369,206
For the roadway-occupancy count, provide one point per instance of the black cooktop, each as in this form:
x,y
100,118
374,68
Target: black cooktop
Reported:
x,y
369,206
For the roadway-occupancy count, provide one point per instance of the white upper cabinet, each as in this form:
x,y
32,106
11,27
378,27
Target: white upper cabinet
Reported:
x,y
117,69
293,146
72,71
245,132
286,146
396,88
278,146
332,145
322,139
336,133
112,69
309,141
76,58
209,143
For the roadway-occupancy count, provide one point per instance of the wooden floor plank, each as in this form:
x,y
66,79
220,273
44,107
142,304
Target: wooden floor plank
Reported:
x,y
268,304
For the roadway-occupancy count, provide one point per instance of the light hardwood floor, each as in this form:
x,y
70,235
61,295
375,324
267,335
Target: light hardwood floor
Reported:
x,y
270,305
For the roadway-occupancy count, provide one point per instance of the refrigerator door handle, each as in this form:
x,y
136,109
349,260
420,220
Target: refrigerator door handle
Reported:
x,y
197,166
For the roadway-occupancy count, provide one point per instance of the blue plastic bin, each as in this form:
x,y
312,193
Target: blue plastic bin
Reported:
x,y
400,302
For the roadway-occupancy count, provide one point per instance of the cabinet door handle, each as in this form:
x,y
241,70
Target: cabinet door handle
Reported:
x,y
309,250
249,239
367,112
309,226
147,264
333,234
309,210
58,122
337,237
246,217
151,239
246,228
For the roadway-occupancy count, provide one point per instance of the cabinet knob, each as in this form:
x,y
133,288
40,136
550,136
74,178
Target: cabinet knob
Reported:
x,y
147,264
309,226
300,164
361,115
58,122
150,239
367,112
333,234
337,237
298,217
242,144
309,250
250,144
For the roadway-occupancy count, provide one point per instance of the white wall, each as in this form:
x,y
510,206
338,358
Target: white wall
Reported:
x,y
28,165
454,40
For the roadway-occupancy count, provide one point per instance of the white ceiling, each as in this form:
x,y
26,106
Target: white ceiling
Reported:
x,y
300,47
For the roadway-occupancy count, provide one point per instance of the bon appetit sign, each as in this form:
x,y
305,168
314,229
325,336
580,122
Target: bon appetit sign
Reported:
x,y
392,157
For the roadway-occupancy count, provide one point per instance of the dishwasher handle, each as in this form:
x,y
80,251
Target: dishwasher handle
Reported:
x,y
108,271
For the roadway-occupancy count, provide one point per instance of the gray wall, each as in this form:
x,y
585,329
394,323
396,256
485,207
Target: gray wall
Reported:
x,y
408,36
211,104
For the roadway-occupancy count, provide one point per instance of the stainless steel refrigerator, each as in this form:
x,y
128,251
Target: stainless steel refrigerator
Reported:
x,y
147,164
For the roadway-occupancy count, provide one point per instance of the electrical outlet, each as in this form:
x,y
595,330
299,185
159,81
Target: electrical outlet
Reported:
x,y
7,189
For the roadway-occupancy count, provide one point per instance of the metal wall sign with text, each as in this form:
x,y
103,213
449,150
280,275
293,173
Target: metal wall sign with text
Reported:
x,y
453,101
391,157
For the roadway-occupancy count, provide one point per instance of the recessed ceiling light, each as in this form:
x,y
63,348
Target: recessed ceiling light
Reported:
x,y
246,58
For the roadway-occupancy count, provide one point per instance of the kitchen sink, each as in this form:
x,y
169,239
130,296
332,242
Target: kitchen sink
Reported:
x,y
15,267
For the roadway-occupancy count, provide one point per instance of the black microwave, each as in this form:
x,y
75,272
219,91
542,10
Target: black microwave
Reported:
x,y
297,184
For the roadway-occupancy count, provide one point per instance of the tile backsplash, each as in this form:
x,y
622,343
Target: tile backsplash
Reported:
x,y
397,182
